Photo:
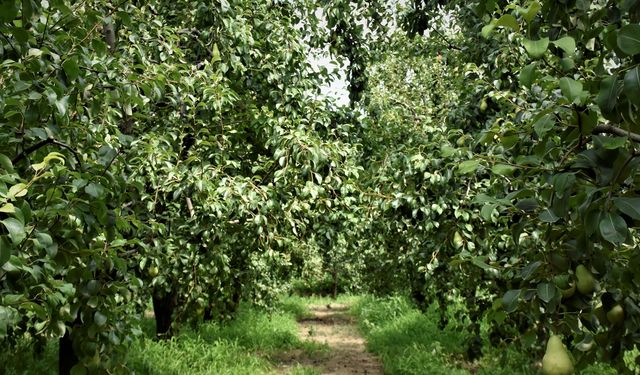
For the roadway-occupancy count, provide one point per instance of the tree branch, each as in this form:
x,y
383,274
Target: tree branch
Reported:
x,y
446,41
41,144
610,129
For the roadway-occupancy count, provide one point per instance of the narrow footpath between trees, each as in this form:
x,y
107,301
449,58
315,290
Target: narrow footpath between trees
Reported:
x,y
331,324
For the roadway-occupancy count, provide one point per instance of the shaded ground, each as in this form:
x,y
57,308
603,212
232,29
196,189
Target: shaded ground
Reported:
x,y
331,325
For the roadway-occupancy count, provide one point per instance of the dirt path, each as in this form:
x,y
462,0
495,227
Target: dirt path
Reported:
x,y
332,325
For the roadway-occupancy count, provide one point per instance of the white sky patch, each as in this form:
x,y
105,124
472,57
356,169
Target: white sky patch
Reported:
x,y
336,89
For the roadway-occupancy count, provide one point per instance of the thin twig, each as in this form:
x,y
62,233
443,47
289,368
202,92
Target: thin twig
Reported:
x,y
9,41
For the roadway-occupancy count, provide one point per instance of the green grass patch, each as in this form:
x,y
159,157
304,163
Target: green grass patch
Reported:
x,y
243,345
193,354
407,341
240,346
410,342
23,359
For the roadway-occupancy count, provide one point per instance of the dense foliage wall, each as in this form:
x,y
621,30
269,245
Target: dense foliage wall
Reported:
x,y
176,151
164,150
502,143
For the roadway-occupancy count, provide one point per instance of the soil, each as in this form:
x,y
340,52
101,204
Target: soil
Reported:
x,y
331,325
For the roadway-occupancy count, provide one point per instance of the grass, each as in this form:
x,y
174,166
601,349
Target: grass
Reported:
x,y
405,339
409,342
241,346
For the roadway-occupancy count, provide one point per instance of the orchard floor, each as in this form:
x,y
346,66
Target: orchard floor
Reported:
x,y
310,336
332,325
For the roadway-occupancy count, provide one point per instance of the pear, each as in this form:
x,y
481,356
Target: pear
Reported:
x,y
556,360
615,315
569,292
458,242
566,286
586,282
153,271
483,105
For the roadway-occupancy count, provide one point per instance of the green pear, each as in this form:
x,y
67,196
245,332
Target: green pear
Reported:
x,y
556,360
615,315
483,105
458,242
565,284
586,282
569,292
153,271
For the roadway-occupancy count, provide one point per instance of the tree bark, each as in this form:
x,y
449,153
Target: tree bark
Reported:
x,y
164,304
66,356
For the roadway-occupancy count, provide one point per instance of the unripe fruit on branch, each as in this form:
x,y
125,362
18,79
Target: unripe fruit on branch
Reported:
x,y
483,105
586,282
556,360
458,242
615,316
153,271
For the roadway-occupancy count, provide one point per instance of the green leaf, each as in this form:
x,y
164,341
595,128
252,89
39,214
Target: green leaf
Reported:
x,y
527,204
5,163
53,156
480,262
510,299
548,216
34,95
530,12
94,190
567,64
468,166
507,20
47,243
8,10
503,169
632,85
8,208
99,318
611,143
17,190
613,228
567,44
487,210
544,124
628,206
5,251
536,48
608,95
528,270
215,54
546,291
570,88
15,229
563,182
488,29
527,75
71,68
62,105
629,39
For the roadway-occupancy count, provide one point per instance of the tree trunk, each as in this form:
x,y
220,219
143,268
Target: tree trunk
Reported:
x,y
66,356
335,283
208,313
164,304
